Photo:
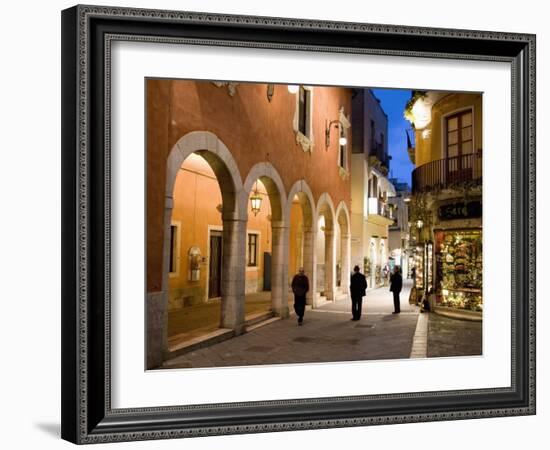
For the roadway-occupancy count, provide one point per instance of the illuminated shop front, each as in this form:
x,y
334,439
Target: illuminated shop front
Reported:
x,y
423,263
459,269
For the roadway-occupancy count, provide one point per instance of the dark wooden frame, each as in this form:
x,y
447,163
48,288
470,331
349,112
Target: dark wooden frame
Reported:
x,y
87,416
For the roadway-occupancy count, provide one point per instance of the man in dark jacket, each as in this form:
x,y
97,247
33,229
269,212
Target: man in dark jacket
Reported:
x,y
358,288
396,283
300,287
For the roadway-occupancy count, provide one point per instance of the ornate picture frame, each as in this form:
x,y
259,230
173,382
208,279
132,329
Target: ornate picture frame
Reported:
x,y
87,35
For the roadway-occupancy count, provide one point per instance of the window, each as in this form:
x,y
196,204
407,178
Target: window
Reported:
x,y
459,134
301,123
374,191
173,263
303,113
252,250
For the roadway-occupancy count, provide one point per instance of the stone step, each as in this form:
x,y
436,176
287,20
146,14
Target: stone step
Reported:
x,y
262,323
253,319
205,340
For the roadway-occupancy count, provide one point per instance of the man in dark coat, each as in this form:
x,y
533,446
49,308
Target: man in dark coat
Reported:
x,y
358,288
300,287
396,283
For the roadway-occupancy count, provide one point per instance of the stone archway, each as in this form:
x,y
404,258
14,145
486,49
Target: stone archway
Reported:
x,y
220,159
302,191
344,221
270,178
326,213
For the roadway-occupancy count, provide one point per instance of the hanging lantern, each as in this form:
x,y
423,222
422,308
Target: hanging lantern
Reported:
x,y
256,201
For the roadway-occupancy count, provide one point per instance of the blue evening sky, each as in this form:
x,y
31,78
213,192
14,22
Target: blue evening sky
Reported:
x,y
393,103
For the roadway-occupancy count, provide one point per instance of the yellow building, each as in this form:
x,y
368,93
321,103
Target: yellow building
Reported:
x,y
446,206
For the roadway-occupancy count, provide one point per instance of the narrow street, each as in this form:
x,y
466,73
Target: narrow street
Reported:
x,y
328,335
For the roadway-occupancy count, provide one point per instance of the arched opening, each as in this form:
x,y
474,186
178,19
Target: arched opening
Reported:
x,y
212,156
258,241
325,250
203,192
266,265
343,249
302,231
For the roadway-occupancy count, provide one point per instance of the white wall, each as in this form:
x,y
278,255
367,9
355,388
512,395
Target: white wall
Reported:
x,y
30,229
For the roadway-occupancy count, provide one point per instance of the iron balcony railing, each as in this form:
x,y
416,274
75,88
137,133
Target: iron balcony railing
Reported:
x,y
448,172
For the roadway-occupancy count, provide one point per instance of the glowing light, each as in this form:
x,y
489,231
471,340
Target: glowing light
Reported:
x,y
422,113
293,88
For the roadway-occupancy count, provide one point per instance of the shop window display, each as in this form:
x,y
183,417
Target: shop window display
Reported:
x,y
459,266
419,267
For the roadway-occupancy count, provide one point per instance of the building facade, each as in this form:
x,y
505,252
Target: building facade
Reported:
x,y
446,206
399,244
246,183
371,189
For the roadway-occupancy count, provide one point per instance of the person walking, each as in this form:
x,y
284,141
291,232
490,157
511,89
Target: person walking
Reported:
x,y
300,287
396,283
358,288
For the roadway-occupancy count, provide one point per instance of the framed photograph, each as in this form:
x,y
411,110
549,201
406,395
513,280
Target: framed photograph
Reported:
x,y
283,224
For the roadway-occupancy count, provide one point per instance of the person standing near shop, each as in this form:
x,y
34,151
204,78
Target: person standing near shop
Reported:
x,y
300,287
396,283
358,289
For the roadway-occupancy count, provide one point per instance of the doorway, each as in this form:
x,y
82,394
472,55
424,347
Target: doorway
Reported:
x,y
215,265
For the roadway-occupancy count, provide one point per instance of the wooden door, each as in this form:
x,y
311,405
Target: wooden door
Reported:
x,y
215,265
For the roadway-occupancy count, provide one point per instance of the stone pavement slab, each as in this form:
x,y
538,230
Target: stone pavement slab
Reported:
x,y
328,335
453,337
324,337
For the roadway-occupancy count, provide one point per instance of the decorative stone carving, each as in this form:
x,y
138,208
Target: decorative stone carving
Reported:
x,y
231,87
304,141
344,174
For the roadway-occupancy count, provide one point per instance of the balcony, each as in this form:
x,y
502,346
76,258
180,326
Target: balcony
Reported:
x,y
448,173
379,212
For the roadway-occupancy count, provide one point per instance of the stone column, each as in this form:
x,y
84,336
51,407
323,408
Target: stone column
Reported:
x,y
279,267
233,274
310,262
157,302
345,246
329,264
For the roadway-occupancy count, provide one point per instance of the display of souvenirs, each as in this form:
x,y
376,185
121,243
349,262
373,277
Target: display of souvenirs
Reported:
x,y
378,275
459,260
429,260
367,267
419,267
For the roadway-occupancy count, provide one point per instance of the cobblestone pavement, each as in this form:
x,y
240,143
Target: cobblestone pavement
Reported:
x,y
327,335
453,337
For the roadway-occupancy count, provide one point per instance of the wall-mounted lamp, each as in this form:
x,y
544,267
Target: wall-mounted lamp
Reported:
x,y
256,200
293,88
337,124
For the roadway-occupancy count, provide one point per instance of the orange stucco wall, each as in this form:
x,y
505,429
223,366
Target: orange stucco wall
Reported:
x,y
254,130
295,241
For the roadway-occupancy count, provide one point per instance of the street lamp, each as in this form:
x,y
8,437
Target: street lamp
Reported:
x,y
337,124
256,200
419,224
